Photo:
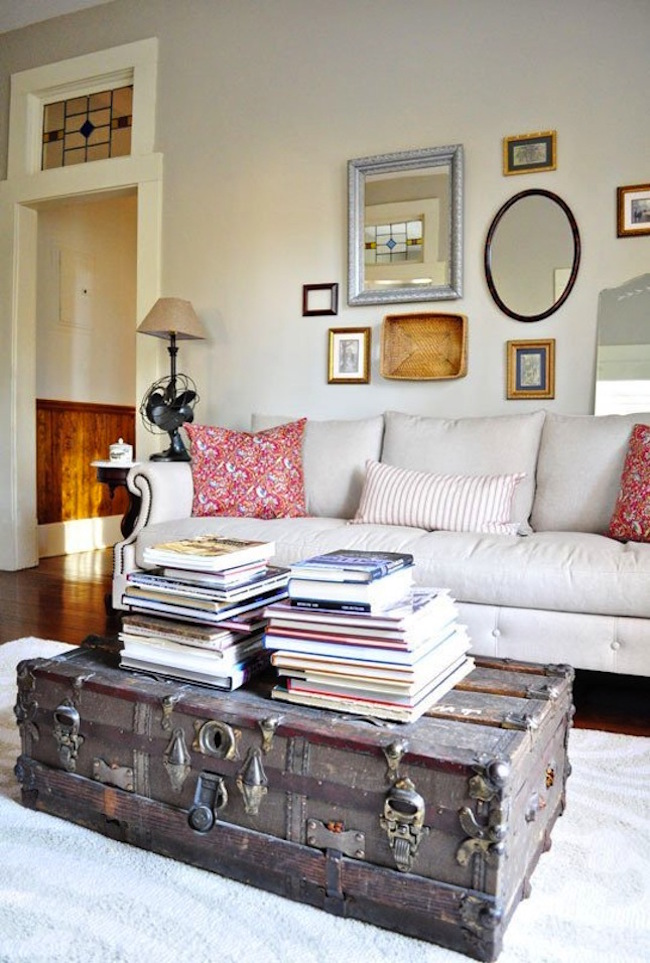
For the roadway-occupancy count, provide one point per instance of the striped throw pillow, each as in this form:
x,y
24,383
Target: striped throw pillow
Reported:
x,y
452,503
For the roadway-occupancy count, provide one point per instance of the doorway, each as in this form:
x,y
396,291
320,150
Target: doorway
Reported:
x,y
85,364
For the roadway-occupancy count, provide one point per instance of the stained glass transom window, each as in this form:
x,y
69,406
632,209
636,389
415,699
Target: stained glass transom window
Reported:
x,y
396,241
87,128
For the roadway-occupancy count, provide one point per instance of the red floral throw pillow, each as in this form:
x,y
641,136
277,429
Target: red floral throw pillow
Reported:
x,y
631,518
255,475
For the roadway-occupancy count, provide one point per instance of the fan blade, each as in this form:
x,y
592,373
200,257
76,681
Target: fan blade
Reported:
x,y
184,398
169,420
157,398
157,413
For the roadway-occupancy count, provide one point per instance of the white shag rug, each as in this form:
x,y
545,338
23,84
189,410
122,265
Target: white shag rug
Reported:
x,y
70,895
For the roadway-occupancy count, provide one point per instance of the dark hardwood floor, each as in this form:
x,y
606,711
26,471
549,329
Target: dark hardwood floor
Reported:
x,y
63,598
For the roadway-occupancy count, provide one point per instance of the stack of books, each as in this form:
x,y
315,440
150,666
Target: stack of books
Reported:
x,y
362,652
200,610
206,654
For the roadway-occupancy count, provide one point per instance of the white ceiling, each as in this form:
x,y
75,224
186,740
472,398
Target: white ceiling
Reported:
x,y
20,13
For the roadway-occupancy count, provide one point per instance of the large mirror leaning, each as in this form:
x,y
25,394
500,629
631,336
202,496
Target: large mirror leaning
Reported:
x,y
532,255
623,353
405,226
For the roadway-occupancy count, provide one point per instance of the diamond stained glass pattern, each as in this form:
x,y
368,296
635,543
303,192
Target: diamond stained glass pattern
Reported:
x,y
397,241
87,128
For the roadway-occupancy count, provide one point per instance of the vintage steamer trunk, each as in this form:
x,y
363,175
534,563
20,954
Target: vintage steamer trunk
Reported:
x,y
431,829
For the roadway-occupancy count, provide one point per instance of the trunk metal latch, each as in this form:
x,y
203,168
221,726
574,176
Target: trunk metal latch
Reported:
x,y
66,734
210,797
403,820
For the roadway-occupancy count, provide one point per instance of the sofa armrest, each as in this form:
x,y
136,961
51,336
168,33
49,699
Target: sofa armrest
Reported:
x,y
166,491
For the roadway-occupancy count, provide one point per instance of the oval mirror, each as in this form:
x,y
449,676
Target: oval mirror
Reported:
x,y
405,226
532,254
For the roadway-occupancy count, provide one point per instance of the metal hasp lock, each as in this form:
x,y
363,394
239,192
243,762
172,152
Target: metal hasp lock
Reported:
x,y
66,734
403,820
210,797
487,837
252,782
177,760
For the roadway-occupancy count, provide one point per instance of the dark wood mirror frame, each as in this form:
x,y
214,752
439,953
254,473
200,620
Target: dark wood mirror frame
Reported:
x,y
535,192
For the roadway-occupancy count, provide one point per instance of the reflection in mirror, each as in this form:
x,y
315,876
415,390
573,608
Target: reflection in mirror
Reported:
x,y
405,226
532,254
623,354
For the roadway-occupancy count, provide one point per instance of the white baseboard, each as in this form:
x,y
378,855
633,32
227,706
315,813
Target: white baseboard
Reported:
x,y
80,535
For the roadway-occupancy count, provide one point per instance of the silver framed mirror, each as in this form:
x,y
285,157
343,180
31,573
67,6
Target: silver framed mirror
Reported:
x,y
532,255
405,226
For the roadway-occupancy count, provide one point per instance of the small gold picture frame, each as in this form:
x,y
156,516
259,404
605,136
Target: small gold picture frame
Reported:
x,y
633,210
531,369
527,153
349,356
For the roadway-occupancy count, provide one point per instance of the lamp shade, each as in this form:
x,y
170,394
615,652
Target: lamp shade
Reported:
x,y
173,316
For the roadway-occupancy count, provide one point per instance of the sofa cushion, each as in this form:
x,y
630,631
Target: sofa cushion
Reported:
x,y
564,572
453,503
631,518
579,470
334,461
504,444
258,475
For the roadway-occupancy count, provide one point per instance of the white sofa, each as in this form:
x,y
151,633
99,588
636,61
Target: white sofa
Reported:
x,y
564,592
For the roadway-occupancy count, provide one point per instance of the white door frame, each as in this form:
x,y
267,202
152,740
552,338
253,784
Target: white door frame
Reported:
x,y
21,194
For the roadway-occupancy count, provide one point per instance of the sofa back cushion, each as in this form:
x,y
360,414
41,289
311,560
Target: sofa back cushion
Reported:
x,y
334,460
579,470
499,445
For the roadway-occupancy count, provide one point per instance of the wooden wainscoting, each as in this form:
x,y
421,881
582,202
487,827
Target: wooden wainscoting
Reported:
x,y
69,436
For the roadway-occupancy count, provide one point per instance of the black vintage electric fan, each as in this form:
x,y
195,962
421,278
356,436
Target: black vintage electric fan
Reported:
x,y
169,403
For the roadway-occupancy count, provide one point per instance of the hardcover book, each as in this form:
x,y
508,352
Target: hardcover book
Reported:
x,y
351,565
230,577
211,553
362,596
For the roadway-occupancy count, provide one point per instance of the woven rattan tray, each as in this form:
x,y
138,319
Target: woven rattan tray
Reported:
x,y
424,346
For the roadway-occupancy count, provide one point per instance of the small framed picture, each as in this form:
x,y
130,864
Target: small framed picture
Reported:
x,y
320,299
633,206
525,153
531,369
349,356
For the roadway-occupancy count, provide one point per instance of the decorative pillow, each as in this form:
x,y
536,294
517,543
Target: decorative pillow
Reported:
x,y
631,518
243,474
452,503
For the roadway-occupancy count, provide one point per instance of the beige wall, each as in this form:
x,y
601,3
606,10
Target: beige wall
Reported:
x,y
261,105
